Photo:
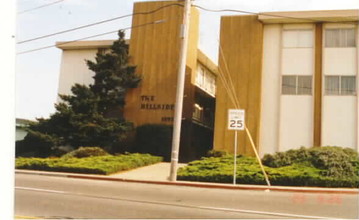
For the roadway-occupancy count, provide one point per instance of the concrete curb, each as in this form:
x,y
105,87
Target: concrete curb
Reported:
x,y
198,184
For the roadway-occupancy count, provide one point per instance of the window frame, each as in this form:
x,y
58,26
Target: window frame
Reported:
x,y
200,76
339,39
206,80
340,92
297,87
298,30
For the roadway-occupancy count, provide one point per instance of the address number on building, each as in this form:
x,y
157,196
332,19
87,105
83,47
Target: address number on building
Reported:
x,y
236,119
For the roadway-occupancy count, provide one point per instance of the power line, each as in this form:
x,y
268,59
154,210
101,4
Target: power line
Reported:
x,y
100,22
150,12
267,14
160,8
41,6
97,35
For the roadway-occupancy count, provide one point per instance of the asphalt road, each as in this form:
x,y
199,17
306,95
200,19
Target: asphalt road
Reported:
x,y
59,197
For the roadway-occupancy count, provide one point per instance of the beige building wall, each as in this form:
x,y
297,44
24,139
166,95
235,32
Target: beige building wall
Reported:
x,y
340,112
241,41
271,88
155,51
357,104
287,121
296,111
73,67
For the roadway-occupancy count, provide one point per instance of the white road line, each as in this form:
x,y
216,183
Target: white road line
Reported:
x,y
40,190
180,205
266,213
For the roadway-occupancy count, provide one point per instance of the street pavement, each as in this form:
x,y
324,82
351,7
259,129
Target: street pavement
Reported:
x,y
60,197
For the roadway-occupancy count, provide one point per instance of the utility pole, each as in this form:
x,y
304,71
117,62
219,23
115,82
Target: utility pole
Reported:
x,y
177,122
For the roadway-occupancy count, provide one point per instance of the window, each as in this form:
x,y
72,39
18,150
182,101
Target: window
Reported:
x,y
210,83
200,77
332,85
343,37
340,85
348,85
296,85
297,38
198,112
289,84
304,85
206,80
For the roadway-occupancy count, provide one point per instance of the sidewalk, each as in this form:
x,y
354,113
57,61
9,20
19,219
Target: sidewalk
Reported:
x,y
155,172
158,174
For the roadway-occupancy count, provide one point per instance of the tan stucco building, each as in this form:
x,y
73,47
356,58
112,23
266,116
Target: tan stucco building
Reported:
x,y
295,74
154,49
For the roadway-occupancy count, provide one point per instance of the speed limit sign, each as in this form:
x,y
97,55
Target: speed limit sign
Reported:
x,y
236,119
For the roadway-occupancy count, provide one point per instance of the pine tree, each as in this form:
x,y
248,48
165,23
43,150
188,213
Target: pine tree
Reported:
x,y
85,118
113,75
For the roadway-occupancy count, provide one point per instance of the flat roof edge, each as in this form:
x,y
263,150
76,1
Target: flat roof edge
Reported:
x,y
90,44
349,15
207,62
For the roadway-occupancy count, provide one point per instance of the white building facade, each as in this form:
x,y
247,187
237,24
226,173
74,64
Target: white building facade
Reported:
x,y
296,74
296,61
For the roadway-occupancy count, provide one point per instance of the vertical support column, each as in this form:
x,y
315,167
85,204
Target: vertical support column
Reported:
x,y
318,78
280,61
357,88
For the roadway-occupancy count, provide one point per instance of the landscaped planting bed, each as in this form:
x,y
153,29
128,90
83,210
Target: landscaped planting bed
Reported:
x,y
89,165
324,166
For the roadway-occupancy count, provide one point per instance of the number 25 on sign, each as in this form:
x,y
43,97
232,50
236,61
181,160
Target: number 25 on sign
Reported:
x,y
236,119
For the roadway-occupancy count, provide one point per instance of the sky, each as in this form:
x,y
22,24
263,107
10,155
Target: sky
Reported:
x,y
37,73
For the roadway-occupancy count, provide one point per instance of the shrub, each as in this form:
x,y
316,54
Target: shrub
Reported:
x,y
292,168
289,157
216,153
86,152
334,161
155,139
38,143
92,165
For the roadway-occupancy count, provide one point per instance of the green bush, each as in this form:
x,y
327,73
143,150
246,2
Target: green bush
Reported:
x,y
38,143
287,169
334,161
155,139
86,152
217,153
90,165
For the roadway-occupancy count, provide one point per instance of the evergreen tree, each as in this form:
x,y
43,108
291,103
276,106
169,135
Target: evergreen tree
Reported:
x,y
113,76
86,117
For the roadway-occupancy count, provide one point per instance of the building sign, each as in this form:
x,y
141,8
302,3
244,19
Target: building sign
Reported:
x,y
148,102
148,106
236,119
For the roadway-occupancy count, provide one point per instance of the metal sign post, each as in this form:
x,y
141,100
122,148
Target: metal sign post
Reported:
x,y
235,122
235,158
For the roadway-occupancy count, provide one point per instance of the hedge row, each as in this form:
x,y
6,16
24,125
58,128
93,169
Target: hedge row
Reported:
x,y
89,165
299,173
334,161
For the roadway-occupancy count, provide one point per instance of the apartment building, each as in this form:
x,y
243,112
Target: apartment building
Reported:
x,y
154,49
296,75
